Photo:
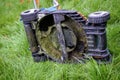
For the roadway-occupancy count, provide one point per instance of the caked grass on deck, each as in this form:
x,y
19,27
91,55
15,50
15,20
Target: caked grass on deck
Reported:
x,y
15,58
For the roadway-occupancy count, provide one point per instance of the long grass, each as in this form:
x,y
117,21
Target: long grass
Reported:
x,y
15,58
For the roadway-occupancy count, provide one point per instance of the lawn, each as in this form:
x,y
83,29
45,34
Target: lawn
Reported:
x,y
16,62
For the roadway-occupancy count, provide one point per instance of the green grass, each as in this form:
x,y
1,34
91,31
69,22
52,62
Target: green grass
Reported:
x,y
15,58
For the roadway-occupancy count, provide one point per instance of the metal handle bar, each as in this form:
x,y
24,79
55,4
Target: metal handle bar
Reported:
x,y
55,3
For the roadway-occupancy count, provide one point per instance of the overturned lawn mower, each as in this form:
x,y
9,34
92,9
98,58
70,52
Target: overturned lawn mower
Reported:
x,y
65,35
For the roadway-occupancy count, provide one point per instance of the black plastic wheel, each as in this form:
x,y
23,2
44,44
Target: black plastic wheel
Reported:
x,y
98,17
29,15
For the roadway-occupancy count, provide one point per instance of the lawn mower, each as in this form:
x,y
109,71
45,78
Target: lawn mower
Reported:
x,y
65,35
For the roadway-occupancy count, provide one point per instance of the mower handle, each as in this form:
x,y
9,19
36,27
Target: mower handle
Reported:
x,y
55,3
